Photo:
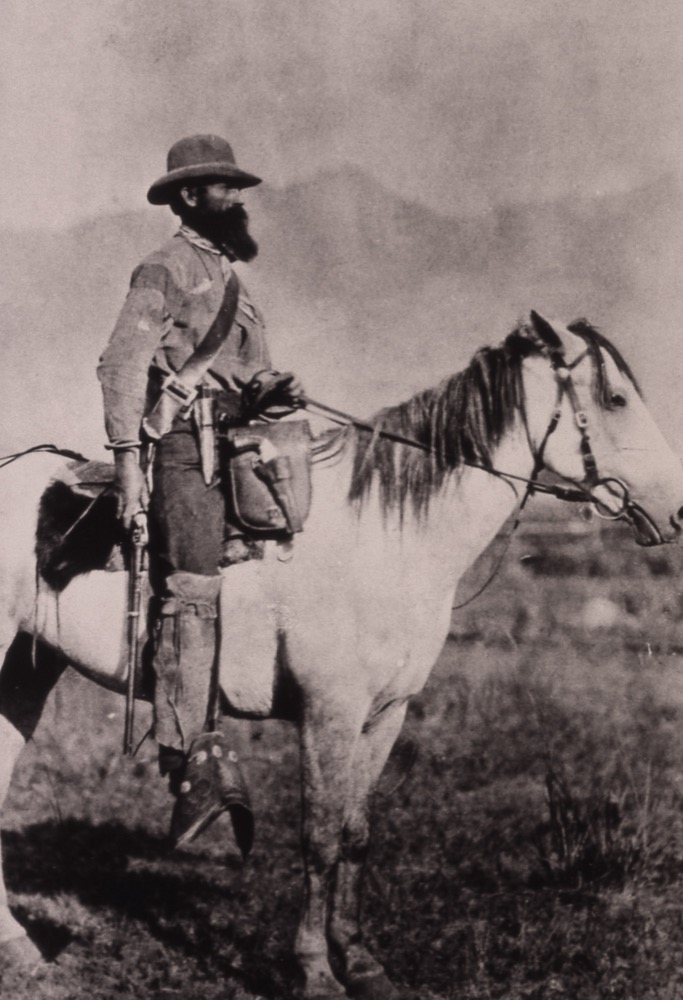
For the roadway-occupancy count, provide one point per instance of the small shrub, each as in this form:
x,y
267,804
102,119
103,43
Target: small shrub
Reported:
x,y
583,841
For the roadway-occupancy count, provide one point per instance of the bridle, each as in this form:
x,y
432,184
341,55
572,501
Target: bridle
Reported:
x,y
616,505
579,492
620,505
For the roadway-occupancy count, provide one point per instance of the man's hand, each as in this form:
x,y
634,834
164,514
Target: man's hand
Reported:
x,y
132,494
270,394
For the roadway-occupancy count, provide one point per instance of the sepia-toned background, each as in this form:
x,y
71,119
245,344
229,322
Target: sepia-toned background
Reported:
x,y
433,169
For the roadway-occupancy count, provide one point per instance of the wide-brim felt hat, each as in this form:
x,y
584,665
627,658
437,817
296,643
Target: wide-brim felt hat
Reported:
x,y
196,158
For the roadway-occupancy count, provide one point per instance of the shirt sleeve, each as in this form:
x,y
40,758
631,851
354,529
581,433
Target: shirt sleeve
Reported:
x,y
124,365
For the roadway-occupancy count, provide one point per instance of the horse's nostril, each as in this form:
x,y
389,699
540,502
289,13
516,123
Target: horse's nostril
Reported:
x,y
679,515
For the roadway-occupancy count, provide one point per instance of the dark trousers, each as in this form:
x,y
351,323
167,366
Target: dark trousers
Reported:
x,y
187,518
187,527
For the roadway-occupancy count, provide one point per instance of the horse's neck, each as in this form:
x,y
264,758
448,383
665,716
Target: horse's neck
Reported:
x,y
479,503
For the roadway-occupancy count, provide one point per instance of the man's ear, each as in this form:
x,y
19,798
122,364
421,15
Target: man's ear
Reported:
x,y
189,196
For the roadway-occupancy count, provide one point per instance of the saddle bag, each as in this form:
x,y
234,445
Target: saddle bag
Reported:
x,y
266,474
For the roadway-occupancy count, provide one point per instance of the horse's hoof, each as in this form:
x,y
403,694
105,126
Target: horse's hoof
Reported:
x,y
20,953
331,992
374,987
335,993
320,984
327,996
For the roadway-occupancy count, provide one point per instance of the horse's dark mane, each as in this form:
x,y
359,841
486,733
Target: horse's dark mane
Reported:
x,y
459,421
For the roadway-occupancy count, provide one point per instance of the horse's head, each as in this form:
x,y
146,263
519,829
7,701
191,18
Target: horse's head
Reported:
x,y
587,421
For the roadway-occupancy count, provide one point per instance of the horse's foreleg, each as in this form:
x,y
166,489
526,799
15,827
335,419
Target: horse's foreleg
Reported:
x,y
364,975
328,737
26,679
17,951
12,743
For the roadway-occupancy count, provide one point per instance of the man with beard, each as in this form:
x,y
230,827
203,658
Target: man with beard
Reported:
x,y
182,296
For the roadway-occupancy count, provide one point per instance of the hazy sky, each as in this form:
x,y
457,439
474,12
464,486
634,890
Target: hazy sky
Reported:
x,y
461,103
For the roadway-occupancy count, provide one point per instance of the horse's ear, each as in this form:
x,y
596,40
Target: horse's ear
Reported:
x,y
556,336
546,332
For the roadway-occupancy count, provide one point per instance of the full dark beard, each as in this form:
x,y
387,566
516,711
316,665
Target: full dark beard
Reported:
x,y
228,229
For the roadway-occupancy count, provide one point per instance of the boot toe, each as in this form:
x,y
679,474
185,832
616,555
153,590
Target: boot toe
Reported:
x,y
210,784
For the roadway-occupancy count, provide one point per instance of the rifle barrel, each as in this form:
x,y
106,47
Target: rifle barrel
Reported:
x,y
136,574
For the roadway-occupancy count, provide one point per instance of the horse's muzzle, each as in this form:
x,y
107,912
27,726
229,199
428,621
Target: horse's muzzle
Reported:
x,y
611,500
645,531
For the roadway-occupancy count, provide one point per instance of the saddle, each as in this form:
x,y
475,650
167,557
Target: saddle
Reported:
x,y
78,530
266,479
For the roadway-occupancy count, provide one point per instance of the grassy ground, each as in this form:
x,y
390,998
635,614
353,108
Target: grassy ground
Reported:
x,y
528,831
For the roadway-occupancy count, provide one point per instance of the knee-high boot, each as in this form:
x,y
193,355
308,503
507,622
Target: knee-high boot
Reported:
x,y
208,780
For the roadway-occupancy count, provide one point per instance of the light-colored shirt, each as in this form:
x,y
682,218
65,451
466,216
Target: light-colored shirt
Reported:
x,y
174,297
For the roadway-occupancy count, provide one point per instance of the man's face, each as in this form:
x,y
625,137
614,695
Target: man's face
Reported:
x,y
216,210
218,197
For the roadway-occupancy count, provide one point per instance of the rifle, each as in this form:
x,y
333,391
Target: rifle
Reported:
x,y
138,566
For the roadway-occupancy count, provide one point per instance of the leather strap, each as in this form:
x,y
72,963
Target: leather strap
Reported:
x,y
200,360
179,389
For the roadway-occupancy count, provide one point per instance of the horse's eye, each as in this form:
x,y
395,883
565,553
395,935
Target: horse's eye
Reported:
x,y
617,399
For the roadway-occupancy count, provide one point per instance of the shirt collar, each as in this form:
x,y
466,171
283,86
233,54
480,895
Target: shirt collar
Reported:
x,y
201,242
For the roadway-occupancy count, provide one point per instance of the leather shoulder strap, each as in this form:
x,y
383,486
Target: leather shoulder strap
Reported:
x,y
200,360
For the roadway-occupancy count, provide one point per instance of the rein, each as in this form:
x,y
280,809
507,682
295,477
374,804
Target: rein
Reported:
x,y
575,494
51,449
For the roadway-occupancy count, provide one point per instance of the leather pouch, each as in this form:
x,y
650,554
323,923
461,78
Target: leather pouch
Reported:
x,y
266,472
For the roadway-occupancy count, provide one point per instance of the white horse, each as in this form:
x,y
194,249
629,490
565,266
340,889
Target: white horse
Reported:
x,y
337,633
